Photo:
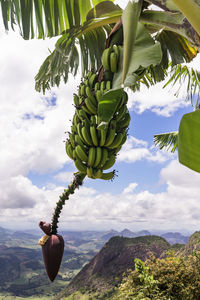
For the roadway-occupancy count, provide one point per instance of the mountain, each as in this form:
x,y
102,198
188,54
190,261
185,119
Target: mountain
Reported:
x,y
124,233
109,235
192,245
143,232
127,233
175,237
105,270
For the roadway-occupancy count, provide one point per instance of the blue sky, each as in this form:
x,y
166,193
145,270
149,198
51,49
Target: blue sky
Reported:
x,y
152,189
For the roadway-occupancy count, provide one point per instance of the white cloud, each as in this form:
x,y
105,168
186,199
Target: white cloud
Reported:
x,y
19,192
64,176
159,100
33,131
130,188
135,150
175,208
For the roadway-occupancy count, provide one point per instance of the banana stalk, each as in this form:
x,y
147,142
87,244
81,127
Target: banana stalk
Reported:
x,y
77,181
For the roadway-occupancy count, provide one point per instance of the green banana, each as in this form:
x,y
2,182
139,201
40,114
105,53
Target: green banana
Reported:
x,y
124,138
71,137
89,74
69,149
86,109
83,115
91,156
76,119
118,148
97,86
90,95
98,156
117,141
110,162
73,129
124,99
94,136
113,62
98,95
90,172
76,99
124,122
90,106
86,136
80,165
97,173
111,134
80,151
83,90
103,134
93,120
92,80
79,132
104,157
106,58
79,141
102,87
108,85
108,176
121,113
116,50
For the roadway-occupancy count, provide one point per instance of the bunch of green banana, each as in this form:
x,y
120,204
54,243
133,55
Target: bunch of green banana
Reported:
x,y
94,150
110,58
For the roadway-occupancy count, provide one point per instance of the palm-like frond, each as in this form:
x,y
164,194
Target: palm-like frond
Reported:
x,y
167,141
45,18
186,77
90,38
66,57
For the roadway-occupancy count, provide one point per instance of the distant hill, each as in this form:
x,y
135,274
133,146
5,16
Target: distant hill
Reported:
x,y
192,245
124,233
106,268
110,234
24,235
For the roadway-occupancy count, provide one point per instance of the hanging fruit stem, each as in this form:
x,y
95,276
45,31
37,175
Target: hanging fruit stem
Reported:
x,y
76,182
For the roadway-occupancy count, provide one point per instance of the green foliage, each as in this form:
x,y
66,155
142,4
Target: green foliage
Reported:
x,y
186,77
139,284
188,141
168,141
169,278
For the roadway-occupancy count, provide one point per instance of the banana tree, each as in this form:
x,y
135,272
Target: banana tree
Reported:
x,y
151,43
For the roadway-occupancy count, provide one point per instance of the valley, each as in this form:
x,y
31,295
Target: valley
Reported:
x,y
22,273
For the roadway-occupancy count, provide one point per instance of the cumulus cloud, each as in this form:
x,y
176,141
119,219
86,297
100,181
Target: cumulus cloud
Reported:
x,y
136,150
175,208
19,192
32,126
64,176
161,101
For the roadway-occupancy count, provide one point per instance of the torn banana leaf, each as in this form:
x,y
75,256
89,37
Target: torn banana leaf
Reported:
x,y
189,141
144,54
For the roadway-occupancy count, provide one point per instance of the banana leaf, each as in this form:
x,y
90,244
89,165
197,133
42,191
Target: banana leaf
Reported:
x,y
108,105
144,54
189,141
